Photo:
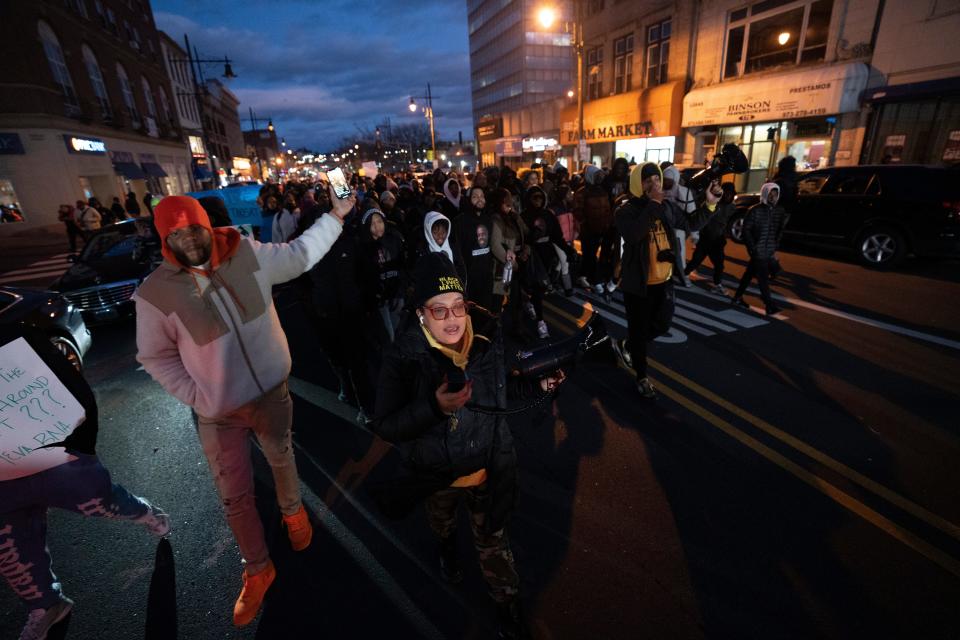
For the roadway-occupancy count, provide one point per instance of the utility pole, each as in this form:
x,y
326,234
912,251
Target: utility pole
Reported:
x,y
199,98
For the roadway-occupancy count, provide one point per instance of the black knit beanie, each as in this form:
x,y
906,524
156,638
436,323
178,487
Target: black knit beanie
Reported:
x,y
434,275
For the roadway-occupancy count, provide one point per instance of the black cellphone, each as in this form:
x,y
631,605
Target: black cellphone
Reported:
x,y
456,381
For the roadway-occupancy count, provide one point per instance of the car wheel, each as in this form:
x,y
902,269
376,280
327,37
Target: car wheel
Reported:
x,y
69,350
736,230
880,247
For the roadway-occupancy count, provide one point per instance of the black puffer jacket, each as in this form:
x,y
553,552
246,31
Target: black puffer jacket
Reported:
x,y
437,449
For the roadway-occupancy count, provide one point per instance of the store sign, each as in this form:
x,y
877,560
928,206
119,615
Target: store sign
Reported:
x,y
10,144
533,145
78,144
490,129
893,149
612,132
510,147
787,96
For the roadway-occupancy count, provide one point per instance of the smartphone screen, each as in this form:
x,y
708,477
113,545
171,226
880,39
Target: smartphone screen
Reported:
x,y
339,182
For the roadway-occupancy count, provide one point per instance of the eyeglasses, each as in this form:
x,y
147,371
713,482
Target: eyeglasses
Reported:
x,y
441,313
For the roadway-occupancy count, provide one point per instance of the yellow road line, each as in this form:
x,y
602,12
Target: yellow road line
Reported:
x,y
828,489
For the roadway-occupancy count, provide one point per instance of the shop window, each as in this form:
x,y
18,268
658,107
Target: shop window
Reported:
x,y
623,64
595,73
10,210
128,99
58,67
148,98
771,35
96,80
658,52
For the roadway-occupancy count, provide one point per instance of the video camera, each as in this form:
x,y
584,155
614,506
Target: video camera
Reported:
x,y
545,360
730,160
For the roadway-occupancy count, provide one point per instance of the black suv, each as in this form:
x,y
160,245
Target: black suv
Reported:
x,y
883,211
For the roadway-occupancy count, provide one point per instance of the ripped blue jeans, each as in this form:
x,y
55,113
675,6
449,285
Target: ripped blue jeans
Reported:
x,y
82,486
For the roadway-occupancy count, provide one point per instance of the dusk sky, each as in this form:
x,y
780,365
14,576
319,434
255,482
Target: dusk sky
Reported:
x,y
319,67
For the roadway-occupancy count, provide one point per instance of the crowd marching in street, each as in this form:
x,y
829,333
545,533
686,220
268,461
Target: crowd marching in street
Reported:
x,y
411,283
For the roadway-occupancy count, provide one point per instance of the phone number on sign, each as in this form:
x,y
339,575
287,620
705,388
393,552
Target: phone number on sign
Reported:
x,y
803,113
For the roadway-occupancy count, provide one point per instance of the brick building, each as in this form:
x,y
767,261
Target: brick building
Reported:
x,y
85,106
222,125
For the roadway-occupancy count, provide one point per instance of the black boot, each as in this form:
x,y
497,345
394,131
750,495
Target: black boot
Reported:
x,y
450,561
510,622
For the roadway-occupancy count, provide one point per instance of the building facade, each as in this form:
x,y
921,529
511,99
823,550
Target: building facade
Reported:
x,y
780,78
516,63
912,110
184,97
636,69
85,107
221,122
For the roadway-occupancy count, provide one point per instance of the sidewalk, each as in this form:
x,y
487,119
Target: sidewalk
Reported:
x,y
20,248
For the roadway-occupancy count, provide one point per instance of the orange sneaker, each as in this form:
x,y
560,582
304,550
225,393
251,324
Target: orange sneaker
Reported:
x,y
299,529
251,597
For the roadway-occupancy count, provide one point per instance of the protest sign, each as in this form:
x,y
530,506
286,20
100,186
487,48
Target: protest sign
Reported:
x,y
35,410
241,203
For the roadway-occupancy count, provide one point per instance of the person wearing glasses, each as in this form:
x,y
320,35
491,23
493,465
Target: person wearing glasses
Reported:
x,y
446,363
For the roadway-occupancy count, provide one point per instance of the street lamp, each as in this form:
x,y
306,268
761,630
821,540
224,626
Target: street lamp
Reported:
x,y
546,16
428,113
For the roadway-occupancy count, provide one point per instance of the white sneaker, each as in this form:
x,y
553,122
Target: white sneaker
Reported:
x,y
531,311
719,290
39,621
598,289
583,282
611,286
155,520
542,330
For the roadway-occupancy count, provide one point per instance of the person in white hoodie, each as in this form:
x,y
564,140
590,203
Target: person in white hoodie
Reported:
x,y
208,332
684,202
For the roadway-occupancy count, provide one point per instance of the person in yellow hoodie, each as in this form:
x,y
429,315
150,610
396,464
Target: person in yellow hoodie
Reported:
x,y
445,364
647,222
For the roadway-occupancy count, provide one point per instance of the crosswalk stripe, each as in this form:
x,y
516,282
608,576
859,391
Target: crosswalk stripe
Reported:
x,y
49,276
35,269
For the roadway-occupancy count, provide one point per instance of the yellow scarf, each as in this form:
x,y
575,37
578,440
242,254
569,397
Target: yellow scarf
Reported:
x,y
459,358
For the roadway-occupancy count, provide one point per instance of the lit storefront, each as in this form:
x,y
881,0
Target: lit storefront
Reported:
x,y
488,130
541,148
638,125
88,166
796,113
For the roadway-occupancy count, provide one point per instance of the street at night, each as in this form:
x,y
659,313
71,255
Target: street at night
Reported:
x,y
796,479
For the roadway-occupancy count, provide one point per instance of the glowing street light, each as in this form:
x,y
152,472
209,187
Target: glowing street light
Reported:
x,y
571,93
546,17
783,38
412,106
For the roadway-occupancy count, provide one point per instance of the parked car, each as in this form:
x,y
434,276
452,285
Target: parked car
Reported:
x,y
104,276
883,212
49,312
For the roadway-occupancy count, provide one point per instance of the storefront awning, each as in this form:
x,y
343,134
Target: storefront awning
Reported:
x,y
129,170
153,169
785,96
913,90
635,114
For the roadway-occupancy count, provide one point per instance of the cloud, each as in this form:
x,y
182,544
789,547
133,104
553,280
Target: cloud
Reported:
x,y
318,70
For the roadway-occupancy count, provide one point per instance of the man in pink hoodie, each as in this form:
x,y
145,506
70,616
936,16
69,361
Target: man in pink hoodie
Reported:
x,y
208,332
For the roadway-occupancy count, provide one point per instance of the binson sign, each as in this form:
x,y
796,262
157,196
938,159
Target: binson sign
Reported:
x,y
786,96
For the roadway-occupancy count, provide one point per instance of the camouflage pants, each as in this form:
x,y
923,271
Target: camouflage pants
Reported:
x,y
496,559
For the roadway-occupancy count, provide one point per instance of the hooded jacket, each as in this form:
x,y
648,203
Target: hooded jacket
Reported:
x,y
211,337
677,193
636,218
763,225
544,228
436,449
591,204
429,220
450,205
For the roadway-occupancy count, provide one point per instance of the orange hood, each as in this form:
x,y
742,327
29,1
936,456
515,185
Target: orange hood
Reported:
x,y
176,212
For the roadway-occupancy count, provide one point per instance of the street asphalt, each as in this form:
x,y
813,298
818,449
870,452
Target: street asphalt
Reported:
x,y
798,477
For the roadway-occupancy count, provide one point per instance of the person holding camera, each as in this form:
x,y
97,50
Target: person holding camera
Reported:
x,y
647,222
762,229
440,388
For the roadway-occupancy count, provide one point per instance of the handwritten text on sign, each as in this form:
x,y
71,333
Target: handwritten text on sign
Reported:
x,y
35,410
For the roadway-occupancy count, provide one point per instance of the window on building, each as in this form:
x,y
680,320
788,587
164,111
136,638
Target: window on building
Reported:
x,y
768,35
128,100
623,64
595,73
594,7
658,52
165,113
96,80
148,98
101,14
58,67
